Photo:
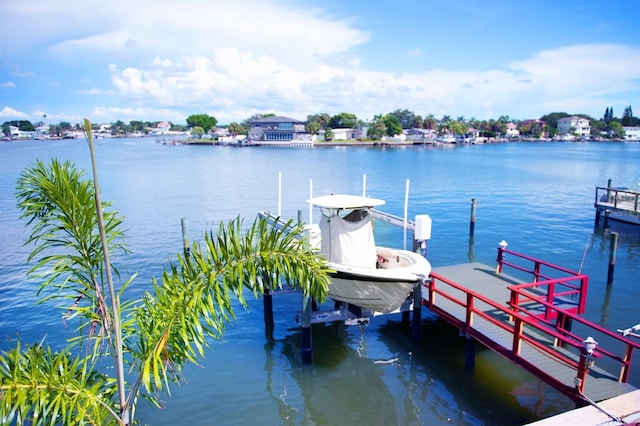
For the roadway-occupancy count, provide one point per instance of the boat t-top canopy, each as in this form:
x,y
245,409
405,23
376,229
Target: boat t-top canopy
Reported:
x,y
344,201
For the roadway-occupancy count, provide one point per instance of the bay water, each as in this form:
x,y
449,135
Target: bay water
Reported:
x,y
537,196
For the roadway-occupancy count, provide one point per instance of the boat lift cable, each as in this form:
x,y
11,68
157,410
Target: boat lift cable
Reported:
x,y
602,410
584,255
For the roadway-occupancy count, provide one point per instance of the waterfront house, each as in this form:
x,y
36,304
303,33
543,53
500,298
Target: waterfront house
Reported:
x,y
631,133
574,126
277,128
512,130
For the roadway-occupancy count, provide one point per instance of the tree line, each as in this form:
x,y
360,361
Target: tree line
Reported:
x,y
380,125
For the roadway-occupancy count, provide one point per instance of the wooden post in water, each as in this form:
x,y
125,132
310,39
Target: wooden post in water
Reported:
x,y
469,352
472,223
612,257
185,237
416,328
305,321
305,330
606,218
267,305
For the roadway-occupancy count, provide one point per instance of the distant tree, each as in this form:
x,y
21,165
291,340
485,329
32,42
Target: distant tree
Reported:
x,y
417,122
23,125
321,119
197,131
137,126
551,120
616,131
246,124
405,117
235,129
205,121
312,127
328,134
343,120
392,124
627,117
430,122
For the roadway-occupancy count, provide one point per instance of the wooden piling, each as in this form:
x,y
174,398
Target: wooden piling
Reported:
x,y
305,330
613,248
416,328
606,218
267,304
472,223
469,352
185,237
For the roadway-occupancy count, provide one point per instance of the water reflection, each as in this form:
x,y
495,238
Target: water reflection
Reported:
x,y
384,376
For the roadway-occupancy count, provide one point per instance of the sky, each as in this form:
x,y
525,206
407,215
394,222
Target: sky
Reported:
x,y
160,60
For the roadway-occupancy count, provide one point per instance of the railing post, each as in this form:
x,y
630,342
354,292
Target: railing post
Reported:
x,y
518,326
469,318
502,246
582,303
626,364
551,289
582,371
536,272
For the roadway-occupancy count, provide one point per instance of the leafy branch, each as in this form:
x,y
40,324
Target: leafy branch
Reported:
x,y
73,233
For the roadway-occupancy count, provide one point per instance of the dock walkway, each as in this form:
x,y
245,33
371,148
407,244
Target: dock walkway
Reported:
x,y
477,300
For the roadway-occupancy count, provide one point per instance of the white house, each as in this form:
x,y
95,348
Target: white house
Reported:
x,y
574,125
512,130
631,133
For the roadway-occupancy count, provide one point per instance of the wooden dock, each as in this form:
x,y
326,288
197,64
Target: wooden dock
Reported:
x,y
617,203
479,302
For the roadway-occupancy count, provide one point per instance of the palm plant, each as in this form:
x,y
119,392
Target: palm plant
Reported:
x,y
73,232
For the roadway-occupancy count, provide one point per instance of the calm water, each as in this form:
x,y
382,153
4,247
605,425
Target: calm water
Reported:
x,y
537,197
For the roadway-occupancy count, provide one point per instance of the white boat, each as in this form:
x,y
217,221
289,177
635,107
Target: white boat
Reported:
x,y
366,275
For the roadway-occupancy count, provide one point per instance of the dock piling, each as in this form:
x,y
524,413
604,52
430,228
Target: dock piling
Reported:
x,y
267,304
305,330
416,326
469,352
185,237
472,223
613,248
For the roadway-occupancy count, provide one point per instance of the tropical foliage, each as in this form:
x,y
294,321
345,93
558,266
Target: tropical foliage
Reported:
x,y
151,339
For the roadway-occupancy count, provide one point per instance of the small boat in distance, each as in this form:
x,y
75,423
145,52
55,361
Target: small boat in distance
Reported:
x,y
366,275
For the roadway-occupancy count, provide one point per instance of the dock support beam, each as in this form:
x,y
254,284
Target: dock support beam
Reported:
x,y
469,352
267,304
613,248
305,330
416,326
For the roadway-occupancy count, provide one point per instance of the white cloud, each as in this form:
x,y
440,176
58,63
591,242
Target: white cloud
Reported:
x,y
7,85
415,52
10,113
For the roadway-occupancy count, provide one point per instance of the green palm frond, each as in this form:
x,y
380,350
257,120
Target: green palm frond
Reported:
x,y
194,299
38,386
59,205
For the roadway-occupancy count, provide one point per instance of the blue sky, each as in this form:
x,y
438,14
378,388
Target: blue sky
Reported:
x,y
158,60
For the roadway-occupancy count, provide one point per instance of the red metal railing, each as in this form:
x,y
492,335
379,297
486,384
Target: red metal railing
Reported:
x,y
558,289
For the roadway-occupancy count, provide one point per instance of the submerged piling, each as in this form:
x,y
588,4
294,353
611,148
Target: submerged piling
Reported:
x,y
613,248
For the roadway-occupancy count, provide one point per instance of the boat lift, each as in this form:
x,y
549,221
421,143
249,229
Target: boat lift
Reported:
x,y
351,314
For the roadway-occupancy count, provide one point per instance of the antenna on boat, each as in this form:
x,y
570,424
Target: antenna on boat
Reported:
x,y
406,209
364,185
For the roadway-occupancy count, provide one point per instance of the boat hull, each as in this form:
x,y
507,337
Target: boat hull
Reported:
x,y
383,289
